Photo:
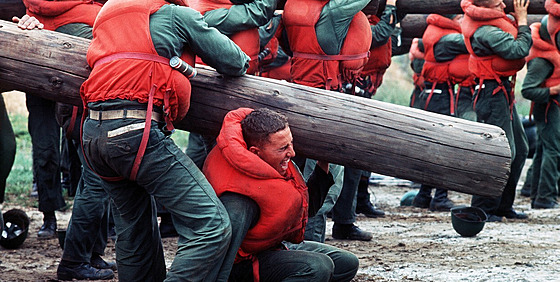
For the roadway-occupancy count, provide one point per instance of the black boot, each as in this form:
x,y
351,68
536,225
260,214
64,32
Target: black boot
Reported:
x,y
48,229
423,198
350,232
440,202
82,271
363,204
98,262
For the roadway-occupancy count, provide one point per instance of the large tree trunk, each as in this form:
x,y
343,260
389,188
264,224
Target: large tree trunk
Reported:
x,y
414,25
437,6
393,140
10,8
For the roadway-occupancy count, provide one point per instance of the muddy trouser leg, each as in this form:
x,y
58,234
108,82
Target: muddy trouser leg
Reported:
x,y
87,229
549,135
295,265
440,195
362,199
45,140
316,225
7,148
199,147
529,176
346,264
521,149
169,177
344,210
536,165
425,191
494,109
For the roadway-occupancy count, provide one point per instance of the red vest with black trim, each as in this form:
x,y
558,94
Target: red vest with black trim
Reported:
x,y
438,27
553,24
132,79
248,40
493,66
547,51
459,72
54,14
283,200
379,57
310,65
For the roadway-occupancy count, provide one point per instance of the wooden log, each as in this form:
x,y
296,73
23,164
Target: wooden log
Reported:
x,y
437,6
10,8
389,139
414,25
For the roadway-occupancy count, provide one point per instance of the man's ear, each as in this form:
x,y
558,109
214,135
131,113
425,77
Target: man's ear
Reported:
x,y
254,150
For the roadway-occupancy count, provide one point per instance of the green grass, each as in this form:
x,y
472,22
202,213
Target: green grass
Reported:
x,y
20,180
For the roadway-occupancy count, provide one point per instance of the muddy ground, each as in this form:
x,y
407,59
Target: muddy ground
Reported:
x,y
410,244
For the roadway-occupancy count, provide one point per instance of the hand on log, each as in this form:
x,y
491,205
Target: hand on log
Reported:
x,y
28,22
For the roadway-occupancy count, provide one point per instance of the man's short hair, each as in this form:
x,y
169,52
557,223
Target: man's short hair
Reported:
x,y
482,3
261,123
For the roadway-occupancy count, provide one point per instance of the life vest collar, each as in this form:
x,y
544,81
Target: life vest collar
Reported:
x,y
443,22
234,148
480,13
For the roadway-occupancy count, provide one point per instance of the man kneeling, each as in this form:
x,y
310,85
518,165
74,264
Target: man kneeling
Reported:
x,y
269,202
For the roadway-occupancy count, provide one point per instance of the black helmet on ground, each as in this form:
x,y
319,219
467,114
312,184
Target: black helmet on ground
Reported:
x,y
468,221
16,227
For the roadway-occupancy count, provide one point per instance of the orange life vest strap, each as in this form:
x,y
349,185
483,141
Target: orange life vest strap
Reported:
x,y
132,55
331,57
70,128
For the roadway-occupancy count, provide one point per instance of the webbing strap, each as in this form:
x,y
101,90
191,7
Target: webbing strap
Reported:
x,y
72,124
145,135
430,96
501,86
331,57
451,100
459,93
255,263
132,55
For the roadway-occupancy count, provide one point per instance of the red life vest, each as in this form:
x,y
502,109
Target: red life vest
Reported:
x,y
459,72
493,66
127,78
283,200
379,57
545,50
54,14
311,66
248,40
553,25
438,26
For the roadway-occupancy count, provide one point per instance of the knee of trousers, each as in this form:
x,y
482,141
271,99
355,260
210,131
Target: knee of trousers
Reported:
x,y
321,268
346,265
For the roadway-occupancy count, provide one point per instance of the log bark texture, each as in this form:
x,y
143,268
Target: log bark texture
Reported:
x,y
10,8
437,6
389,139
414,25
